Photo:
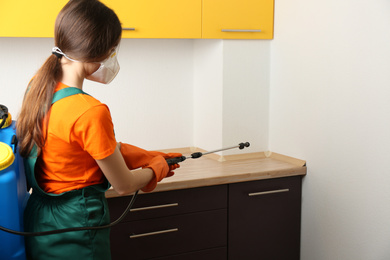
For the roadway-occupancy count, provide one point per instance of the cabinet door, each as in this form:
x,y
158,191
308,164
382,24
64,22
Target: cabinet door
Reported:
x,y
233,19
264,219
26,18
158,18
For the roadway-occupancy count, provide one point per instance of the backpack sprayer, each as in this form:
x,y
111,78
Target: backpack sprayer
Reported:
x,y
170,161
13,189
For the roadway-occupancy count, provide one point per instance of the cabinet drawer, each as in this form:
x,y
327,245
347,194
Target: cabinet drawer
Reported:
x,y
208,254
169,235
161,204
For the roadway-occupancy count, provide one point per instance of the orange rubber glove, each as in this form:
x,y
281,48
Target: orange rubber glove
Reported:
x,y
136,157
161,170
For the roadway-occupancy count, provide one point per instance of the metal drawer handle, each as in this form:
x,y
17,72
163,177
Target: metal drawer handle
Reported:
x,y
239,30
155,233
268,192
128,29
155,207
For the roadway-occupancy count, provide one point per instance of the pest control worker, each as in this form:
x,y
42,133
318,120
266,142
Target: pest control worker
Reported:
x,y
67,139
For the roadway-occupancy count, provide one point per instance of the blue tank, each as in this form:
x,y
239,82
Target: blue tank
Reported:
x,y
13,195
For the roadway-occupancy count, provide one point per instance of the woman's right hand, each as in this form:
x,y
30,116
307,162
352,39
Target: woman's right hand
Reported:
x,y
161,170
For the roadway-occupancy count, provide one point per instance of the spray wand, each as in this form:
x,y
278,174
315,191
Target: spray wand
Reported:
x,y
196,155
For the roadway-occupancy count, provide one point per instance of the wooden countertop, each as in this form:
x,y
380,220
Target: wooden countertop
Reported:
x,y
214,170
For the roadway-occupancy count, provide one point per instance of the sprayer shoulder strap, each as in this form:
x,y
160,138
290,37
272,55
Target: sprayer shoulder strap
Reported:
x,y
66,92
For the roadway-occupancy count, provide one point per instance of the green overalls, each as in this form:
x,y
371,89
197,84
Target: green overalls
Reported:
x,y
77,208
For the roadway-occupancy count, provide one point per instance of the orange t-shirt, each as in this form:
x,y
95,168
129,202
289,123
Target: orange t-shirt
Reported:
x,y
80,131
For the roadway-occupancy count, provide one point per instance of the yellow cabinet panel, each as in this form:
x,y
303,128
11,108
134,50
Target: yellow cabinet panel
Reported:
x,y
237,19
217,19
158,18
27,18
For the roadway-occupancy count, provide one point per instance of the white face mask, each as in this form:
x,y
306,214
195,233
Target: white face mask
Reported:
x,y
107,71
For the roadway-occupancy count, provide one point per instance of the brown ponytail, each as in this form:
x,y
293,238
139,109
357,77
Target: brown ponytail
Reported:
x,y
36,104
86,30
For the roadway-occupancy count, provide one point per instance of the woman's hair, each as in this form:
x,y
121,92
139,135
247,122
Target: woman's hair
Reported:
x,y
86,30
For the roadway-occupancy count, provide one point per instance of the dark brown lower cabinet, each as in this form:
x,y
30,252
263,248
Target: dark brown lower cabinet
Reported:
x,y
265,219
250,220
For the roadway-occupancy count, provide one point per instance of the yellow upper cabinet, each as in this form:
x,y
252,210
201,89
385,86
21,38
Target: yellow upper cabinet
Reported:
x,y
212,19
158,18
237,19
27,18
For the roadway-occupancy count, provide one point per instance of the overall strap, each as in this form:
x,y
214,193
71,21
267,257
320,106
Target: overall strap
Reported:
x,y
66,92
30,161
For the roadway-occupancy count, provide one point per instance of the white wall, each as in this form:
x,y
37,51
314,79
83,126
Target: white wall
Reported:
x,y
170,93
231,94
330,105
151,99
246,94
208,91
19,60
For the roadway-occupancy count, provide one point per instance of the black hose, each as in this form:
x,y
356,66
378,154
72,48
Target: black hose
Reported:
x,y
58,231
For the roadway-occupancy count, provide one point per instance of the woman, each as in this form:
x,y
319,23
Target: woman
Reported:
x,y
67,138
